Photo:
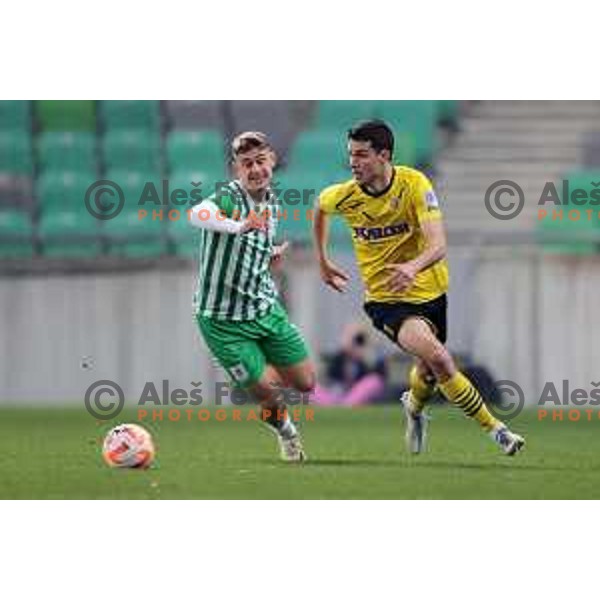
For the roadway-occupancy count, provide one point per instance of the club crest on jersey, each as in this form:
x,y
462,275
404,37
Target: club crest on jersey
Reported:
x,y
370,234
238,373
395,203
431,201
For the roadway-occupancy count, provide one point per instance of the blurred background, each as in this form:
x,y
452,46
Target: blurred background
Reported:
x,y
83,299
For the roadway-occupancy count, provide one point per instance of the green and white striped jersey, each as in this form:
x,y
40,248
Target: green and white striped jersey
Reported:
x,y
235,281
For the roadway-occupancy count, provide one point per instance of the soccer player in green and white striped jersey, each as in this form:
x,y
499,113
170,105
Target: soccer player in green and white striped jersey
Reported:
x,y
236,303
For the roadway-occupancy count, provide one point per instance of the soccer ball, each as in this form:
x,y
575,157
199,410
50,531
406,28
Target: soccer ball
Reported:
x,y
128,445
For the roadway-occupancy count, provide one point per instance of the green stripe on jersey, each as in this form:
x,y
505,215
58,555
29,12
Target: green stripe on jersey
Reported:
x,y
235,281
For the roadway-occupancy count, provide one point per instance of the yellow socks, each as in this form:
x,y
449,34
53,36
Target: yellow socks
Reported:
x,y
460,391
420,390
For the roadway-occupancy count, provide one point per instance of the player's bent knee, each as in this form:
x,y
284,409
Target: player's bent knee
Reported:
x,y
307,383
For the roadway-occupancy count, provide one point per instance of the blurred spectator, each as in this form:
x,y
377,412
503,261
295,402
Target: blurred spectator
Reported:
x,y
354,378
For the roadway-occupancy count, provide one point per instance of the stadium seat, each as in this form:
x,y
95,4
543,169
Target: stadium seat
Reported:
x,y
196,150
577,232
66,115
194,115
15,115
15,152
63,190
16,234
69,151
135,235
324,150
185,178
319,150
415,117
297,207
340,115
70,234
130,114
184,238
134,150
448,112
140,189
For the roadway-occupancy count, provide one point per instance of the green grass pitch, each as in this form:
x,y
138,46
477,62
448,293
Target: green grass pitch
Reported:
x,y
353,453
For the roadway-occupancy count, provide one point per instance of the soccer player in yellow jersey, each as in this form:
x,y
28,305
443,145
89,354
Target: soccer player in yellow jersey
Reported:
x,y
400,247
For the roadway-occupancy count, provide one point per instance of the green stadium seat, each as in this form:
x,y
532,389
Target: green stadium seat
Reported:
x,y
185,178
135,235
133,150
340,115
63,190
319,150
16,234
70,234
15,152
183,237
66,115
69,151
196,150
448,112
298,207
140,188
577,232
405,150
130,114
415,117
15,115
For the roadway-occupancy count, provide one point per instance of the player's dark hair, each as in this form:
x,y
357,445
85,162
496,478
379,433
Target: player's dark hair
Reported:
x,y
375,131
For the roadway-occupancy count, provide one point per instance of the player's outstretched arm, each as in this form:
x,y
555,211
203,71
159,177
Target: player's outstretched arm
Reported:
x,y
331,274
207,215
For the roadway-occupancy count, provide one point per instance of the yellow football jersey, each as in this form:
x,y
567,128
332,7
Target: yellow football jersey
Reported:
x,y
386,230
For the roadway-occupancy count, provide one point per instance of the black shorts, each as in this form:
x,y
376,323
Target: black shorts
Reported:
x,y
389,316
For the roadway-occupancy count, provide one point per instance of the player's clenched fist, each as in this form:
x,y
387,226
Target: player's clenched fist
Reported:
x,y
254,222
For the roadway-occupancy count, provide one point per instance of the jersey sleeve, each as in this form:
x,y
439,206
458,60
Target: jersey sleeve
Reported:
x,y
226,200
425,201
328,200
